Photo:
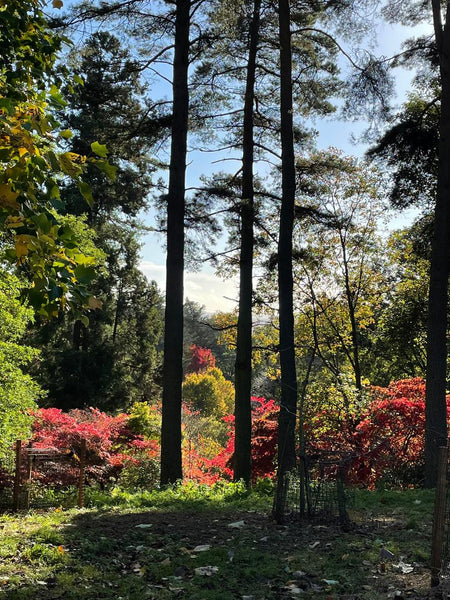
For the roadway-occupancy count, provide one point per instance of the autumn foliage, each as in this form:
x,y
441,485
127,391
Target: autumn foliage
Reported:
x,y
264,441
386,441
202,359
111,444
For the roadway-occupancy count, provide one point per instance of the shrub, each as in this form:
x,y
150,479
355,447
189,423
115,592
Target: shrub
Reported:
x,y
209,392
386,441
264,441
110,443
202,359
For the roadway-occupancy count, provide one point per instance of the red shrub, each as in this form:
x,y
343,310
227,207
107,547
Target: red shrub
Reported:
x,y
264,441
110,443
387,441
202,359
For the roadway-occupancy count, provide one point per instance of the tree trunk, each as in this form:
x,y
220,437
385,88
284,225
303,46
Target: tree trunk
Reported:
x,y
351,311
243,364
288,408
171,461
435,411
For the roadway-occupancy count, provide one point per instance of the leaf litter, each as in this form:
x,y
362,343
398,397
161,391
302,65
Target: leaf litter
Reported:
x,y
248,556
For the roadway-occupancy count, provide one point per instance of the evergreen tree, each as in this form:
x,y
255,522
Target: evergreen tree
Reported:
x,y
433,154
113,360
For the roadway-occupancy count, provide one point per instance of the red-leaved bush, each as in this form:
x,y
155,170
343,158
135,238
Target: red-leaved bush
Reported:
x,y
264,442
385,442
202,359
110,443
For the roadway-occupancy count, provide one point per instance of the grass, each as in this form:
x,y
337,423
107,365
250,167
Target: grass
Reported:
x,y
146,545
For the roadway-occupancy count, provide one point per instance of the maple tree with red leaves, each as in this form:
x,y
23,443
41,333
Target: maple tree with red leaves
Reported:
x,y
387,440
264,441
202,359
111,445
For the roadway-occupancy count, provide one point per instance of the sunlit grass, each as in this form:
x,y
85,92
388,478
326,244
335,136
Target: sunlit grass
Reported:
x,y
89,553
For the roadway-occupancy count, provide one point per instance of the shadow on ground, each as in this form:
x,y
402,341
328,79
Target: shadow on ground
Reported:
x,y
213,555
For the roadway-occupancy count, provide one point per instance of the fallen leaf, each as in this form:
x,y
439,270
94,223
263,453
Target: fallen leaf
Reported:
x,y
201,548
208,570
404,567
144,525
237,524
293,589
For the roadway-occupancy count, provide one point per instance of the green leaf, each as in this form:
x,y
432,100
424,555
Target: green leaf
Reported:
x,y
83,259
99,149
56,97
85,274
78,79
107,168
66,134
42,222
86,192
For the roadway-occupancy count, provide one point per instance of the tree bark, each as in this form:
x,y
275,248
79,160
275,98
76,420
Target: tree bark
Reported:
x,y
171,461
243,364
288,408
436,372
351,311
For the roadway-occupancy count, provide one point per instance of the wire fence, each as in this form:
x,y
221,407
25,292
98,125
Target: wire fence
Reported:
x,y
317,490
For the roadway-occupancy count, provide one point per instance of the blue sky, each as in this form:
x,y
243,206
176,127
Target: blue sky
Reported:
x,y
203,286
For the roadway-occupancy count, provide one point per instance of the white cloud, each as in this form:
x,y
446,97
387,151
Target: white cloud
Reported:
x,y
202,287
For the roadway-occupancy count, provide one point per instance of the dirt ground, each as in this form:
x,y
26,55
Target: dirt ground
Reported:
x,y
260,532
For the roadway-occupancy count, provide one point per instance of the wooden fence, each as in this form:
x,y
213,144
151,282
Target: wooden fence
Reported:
x,y
29,460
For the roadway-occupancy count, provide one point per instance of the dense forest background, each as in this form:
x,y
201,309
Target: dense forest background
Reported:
x,y
103,106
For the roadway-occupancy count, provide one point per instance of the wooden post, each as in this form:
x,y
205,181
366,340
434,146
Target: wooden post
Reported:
x,y
29,476
81,474
17,476
440,504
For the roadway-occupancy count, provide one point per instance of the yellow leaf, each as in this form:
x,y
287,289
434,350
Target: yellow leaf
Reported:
x,y
68,164
7,196
22,151
12,222
61,549
94,303
22,245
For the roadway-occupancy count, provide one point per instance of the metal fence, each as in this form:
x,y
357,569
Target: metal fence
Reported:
x,y
318,490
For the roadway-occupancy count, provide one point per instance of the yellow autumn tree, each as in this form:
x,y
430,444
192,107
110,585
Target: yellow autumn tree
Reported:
x,y
33,163
209,392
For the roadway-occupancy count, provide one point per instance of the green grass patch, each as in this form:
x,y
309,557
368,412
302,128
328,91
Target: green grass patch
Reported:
x,y
145,545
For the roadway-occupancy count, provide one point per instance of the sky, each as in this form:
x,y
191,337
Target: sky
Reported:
x,y
204,286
